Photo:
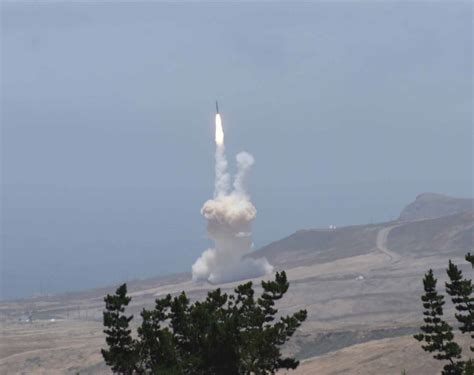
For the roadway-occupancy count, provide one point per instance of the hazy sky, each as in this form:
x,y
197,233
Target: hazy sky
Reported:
x,y
351,109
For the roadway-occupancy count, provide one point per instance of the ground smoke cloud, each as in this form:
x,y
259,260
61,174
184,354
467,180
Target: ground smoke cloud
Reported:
x,y
229,216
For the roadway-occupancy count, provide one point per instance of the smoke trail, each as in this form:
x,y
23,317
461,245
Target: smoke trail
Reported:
x,y
244,163
229,217
221,186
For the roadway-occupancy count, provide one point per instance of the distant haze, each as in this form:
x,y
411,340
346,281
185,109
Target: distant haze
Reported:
x,y
350,109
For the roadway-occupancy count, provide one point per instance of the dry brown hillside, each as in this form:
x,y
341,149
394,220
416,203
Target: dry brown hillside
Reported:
x,y
430,206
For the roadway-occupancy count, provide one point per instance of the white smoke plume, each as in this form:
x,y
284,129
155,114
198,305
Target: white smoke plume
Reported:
x,y
229,216
222,176
244,163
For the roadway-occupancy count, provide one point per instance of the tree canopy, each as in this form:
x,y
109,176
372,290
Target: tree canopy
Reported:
x,y
227,334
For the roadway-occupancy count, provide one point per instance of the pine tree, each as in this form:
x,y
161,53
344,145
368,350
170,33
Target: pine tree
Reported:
x,y
437,333
229,334
460,290
470,259
122,354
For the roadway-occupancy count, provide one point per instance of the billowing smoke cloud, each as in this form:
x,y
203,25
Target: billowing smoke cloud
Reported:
x,y
229,216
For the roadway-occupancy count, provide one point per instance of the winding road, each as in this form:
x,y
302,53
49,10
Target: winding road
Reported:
x,y
381,243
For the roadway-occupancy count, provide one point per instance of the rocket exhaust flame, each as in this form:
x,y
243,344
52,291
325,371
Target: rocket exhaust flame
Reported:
x,y
222,182
219,130
229,217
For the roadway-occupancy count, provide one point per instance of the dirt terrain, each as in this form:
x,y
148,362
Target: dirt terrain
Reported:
x,y
360,285
387,356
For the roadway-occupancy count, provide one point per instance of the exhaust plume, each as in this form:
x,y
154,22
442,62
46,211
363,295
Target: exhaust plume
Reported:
x,y
222,182
219,130
229,216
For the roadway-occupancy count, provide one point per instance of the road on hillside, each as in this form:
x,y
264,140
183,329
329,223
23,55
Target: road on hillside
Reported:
x,y
382,236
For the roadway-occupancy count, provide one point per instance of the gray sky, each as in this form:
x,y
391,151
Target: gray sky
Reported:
x,y
351,109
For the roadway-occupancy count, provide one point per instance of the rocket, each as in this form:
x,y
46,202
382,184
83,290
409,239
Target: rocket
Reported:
x,y
219,131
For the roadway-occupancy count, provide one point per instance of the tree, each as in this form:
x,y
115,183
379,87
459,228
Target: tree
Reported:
x,y
437,334
470,259
460,290
122,353
224,334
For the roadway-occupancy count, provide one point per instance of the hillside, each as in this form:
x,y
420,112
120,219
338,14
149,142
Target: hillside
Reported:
x,y
432,224
320,245
360,284
449,235
387,357
430,205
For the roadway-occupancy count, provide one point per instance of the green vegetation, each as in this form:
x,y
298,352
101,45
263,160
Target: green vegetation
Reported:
x,y
436,333
224,334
